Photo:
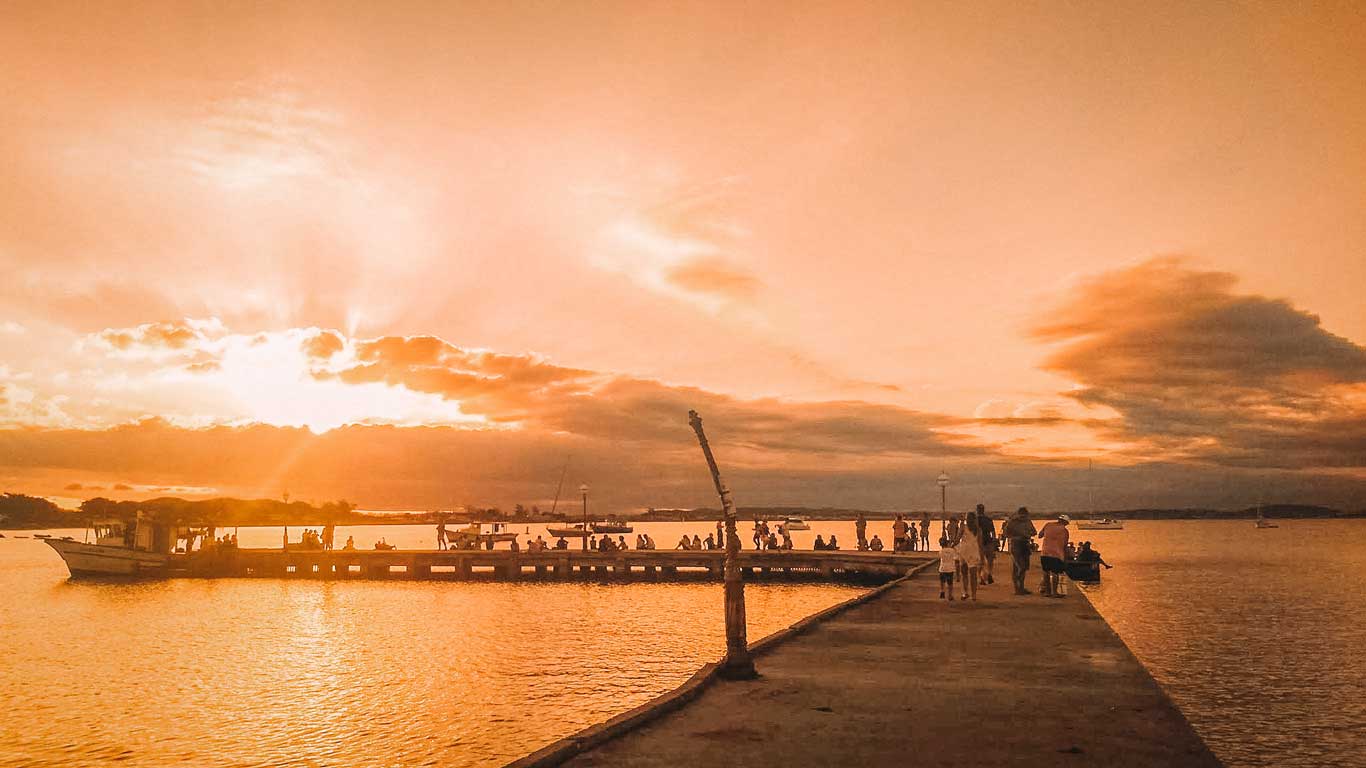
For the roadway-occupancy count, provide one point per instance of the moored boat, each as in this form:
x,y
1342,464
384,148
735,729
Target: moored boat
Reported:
x,y
612,525
1103,524
795,524
122,548
576,531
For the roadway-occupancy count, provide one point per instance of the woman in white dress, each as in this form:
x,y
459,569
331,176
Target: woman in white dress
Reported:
x,y
970,554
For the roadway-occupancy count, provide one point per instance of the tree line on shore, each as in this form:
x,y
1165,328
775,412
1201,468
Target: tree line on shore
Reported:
x,y
21,511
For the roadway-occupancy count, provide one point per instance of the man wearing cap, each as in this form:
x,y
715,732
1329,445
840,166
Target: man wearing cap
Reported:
x,y
1053,554
1019,531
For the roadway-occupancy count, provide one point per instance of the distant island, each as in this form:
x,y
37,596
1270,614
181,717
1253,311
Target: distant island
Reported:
x,y
18,511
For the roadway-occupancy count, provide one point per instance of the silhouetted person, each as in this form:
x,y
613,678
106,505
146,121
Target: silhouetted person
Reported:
x,y
861,531
1019,530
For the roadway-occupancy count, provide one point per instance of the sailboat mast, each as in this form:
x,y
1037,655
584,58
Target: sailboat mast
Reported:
x,y
559,487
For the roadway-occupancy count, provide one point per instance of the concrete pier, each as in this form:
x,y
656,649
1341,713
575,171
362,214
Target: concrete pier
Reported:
x,y
906,679
505,565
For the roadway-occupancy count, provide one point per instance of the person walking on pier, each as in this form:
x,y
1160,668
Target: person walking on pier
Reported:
x,y
861,531
948,564
1052,555
1019,531
969,555
988,531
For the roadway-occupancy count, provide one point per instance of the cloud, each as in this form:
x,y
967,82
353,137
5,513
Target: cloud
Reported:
x,y
1198,371
323,345
536,394
160,338
12,328
687,245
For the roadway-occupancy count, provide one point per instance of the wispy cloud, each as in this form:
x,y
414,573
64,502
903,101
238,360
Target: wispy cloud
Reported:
x,y
259,136
689,245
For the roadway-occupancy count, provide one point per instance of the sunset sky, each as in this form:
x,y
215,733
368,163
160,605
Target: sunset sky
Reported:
x,y
418,255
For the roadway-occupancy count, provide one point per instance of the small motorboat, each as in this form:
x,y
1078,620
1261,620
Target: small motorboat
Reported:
x,y
1103,524
474,536
795,524
42,535
612,526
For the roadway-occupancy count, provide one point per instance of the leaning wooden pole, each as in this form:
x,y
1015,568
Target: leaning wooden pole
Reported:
x,y
737,665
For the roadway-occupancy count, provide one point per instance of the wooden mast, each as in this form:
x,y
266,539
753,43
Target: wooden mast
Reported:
x,y
737,665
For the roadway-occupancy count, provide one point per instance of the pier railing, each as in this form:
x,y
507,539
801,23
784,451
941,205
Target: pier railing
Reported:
x,y
468,564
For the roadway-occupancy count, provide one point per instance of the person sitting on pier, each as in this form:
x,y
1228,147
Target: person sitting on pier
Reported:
x,y
875,544
710,543
833,543
819,546
350,543
621,544
787,541
640,541
697,542
773,540
684,543
540,544
560,543
1088,555
605,544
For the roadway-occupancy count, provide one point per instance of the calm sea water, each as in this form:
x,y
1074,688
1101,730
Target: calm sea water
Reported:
x,y
1259,636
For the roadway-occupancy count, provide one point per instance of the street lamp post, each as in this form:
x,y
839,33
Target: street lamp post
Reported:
x,y
583,489
943,481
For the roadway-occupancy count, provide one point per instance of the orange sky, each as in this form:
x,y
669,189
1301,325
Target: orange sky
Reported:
x,y
866,240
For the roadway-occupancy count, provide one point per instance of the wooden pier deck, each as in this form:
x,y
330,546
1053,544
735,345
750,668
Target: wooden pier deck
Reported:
x,y
504,565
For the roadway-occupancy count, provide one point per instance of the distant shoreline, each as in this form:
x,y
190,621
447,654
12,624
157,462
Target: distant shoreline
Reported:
x,y
32,513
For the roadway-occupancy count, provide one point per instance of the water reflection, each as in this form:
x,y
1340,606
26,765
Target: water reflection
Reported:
x,y
273,672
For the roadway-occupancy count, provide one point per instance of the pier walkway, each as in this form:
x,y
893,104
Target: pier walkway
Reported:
x,y
905,679
505,565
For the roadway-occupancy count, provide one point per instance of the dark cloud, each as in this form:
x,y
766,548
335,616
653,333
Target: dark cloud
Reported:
x,y
549,398
430,467
1197,371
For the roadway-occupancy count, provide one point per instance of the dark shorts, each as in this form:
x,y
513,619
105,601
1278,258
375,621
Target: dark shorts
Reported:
x,y
946,578
1052,565
1019,550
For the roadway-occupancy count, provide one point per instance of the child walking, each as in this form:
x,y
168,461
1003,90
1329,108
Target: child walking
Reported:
x,y
948,563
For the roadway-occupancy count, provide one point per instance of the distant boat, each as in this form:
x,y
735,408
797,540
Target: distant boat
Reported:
x,y
42,535
795,524
1262,522
1103,524
612,526
576,531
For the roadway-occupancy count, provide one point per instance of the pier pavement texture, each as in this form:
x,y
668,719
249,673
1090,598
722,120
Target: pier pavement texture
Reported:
x,y
907,679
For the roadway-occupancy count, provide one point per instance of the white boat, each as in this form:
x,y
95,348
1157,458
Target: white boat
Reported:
x,y
473,535
1103,524
795,524
121,548
613,525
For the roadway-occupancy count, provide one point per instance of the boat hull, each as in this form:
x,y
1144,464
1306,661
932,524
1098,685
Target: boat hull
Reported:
x,y
95,560
1100,526
568,533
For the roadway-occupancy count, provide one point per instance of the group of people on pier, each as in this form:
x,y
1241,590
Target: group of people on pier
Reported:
x,y
313,540
967,552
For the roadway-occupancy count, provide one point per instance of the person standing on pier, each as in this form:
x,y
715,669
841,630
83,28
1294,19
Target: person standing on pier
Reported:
x,y
925,532
861,531
899,535
441,535
1020,532
1052,555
